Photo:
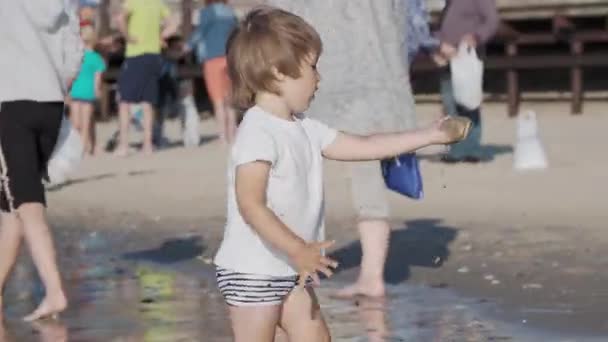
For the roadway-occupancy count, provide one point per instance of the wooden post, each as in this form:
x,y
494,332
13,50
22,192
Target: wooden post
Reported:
x,y
104,101
186,18
104,18
576,78
512,83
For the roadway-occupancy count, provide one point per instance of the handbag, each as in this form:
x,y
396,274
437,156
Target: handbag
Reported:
x,y
402,175
66,155
467,77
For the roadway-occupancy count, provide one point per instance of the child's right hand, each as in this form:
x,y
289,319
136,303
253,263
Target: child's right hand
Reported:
x,y
450,129
308,260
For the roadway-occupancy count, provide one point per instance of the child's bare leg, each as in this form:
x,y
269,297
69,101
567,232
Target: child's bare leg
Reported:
x,y
40,243
301,317
254,323
11,233
75,115
86,115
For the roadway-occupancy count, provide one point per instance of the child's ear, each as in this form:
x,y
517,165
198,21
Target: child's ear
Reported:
x,y
279,76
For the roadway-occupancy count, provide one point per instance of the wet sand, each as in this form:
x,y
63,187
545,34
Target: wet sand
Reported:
x,y
489,254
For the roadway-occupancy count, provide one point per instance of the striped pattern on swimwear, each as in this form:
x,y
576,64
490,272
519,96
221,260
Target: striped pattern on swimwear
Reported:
x,y
245,289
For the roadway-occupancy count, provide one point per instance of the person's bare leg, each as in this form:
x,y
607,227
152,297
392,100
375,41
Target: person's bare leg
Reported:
x,y
254,323
124,118
230,122
301,317
148,147
220,119
86,115
40,242
375,236
11,233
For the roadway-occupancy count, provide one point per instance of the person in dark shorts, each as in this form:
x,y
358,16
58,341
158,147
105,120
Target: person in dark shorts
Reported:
x,y
41,54
138,83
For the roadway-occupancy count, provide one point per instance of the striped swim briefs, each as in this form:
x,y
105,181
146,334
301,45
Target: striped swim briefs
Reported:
x,y
246,289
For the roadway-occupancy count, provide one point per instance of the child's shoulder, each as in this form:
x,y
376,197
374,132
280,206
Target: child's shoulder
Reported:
x,y
92,55
310,123
254,123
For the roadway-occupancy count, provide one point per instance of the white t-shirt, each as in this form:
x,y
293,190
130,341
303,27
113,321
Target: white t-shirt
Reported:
x,y
294,192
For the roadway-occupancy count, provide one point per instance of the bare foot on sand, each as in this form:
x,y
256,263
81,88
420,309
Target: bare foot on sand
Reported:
x,y
121,152
50,307
360,289
147,150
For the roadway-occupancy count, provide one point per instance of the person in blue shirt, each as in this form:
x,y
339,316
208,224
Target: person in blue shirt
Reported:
x,y
216,21
86,89
419,37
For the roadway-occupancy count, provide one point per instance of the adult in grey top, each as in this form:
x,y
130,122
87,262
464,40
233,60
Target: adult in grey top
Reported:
x,y
41,55
473,19
472,22
364,89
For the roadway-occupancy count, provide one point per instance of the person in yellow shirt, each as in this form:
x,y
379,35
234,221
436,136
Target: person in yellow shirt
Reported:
x,y
144,24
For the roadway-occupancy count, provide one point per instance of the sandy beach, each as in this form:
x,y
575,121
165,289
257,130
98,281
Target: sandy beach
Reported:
x,y
530,244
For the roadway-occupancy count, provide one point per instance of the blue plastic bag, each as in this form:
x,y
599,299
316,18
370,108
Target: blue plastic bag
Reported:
x,y
402,175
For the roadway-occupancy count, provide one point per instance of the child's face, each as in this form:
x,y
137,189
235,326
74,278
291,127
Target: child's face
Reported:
x,y
299,92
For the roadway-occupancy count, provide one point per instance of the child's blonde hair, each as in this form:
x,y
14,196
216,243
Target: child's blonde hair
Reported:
x,y
267,38
88,35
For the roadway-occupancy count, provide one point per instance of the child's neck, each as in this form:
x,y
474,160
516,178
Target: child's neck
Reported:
x,y
274,105
89,46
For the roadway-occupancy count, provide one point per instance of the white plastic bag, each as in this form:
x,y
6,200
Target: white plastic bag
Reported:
x,y
67,154
529,151
467,77
190,122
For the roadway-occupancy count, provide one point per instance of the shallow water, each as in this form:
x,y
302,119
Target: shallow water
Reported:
x,y
121,293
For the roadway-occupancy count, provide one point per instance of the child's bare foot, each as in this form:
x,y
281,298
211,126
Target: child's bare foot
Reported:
x,y
359,289
50,307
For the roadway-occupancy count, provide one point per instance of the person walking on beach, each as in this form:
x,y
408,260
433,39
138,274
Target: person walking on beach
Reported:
x,y
41,54
273,244
216,20
144,24
366,89
86,90
470,22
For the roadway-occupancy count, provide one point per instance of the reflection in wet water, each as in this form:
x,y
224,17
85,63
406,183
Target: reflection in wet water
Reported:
x,y
120,299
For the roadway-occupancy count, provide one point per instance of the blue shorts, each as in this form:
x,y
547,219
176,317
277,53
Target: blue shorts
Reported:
x,y
139,79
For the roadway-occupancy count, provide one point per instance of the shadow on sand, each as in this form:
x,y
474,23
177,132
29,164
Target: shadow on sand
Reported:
x,y
422,243
170,251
